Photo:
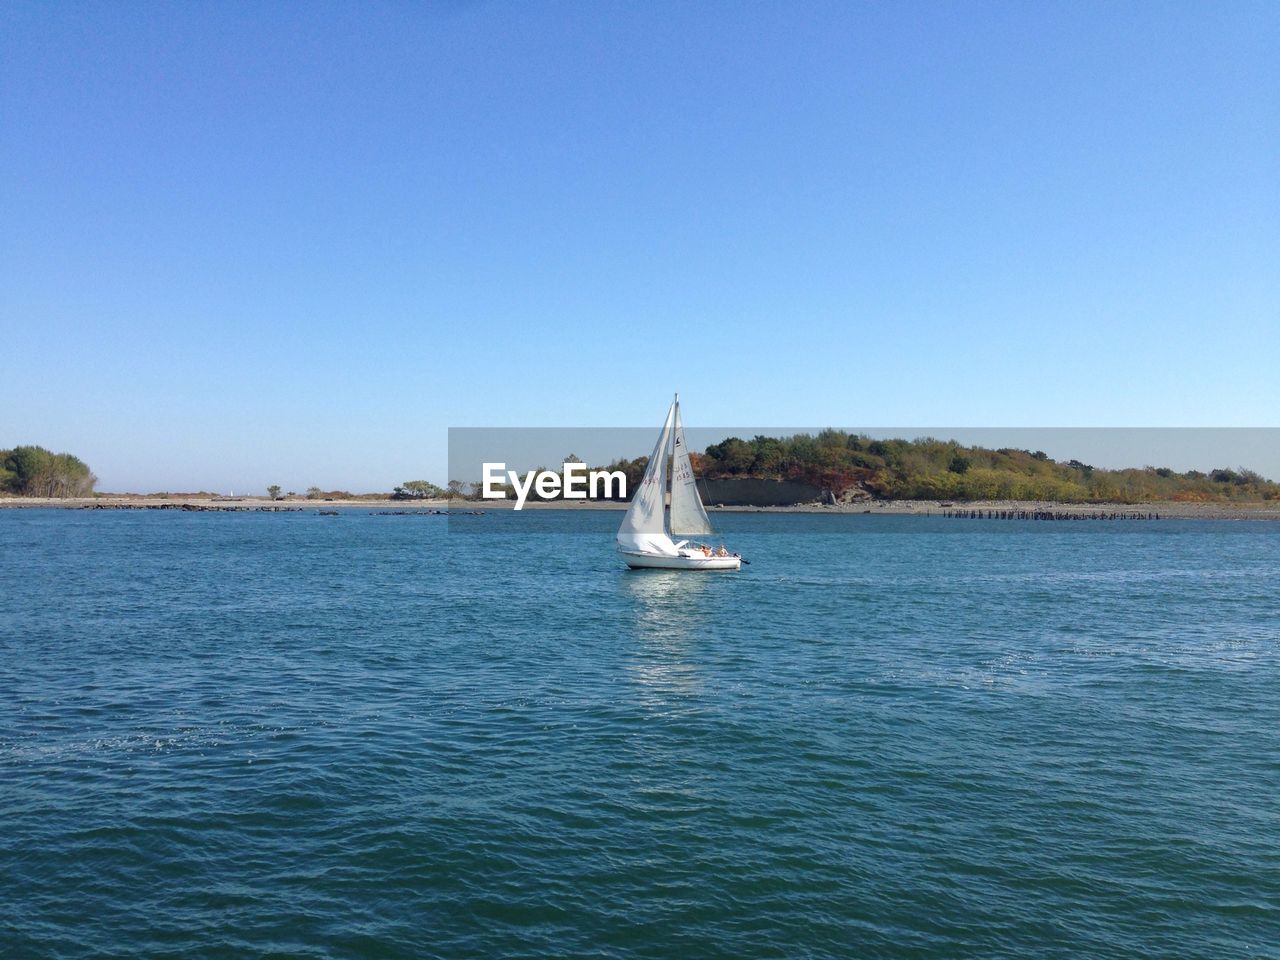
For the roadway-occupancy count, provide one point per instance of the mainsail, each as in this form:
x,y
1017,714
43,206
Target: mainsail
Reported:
x,y
644,528
688,516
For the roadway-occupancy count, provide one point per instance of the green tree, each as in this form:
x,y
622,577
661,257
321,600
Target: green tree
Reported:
x,y
36,472
7,477
769,454
273,491
420,490
733,455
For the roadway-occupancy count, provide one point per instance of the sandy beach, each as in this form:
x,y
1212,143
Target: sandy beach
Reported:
x,y
1267,510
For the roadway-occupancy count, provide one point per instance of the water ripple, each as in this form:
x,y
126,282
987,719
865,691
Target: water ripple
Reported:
x,y
253,735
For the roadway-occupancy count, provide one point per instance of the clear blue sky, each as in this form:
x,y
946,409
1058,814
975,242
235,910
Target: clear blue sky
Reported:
x,y
253,243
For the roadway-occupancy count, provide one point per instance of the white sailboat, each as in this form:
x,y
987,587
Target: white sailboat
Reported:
x,y
645,537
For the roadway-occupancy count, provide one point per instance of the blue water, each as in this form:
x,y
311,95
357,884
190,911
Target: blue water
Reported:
x,y
363,736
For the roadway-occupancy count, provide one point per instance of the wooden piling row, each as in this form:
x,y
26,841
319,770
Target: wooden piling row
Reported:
x,y
1047,515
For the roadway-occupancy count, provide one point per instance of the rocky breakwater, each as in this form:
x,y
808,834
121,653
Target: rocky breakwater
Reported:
x,y
191,507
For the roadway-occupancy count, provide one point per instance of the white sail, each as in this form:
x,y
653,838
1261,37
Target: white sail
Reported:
x,y
688,517
643,528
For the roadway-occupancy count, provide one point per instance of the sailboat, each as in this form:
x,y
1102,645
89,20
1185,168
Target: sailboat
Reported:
x,y
645,537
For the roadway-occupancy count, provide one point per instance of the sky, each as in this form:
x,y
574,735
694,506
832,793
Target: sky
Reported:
x,y
252,243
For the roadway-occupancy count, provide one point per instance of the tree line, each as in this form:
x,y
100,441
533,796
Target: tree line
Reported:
x,y
409,490
931,469
30,471
832,460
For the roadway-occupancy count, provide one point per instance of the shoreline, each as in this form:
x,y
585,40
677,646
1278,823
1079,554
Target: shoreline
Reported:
x,y
1164,510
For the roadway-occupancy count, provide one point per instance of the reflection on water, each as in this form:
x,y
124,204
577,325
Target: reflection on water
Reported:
x,y
664,603
664,585
668,621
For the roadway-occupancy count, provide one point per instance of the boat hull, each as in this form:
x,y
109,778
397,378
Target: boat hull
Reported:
x,y
649,561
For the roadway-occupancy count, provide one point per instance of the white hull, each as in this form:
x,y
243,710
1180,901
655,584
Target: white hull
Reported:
x,y
649,561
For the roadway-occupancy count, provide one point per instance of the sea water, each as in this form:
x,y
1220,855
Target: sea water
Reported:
x,y
234,735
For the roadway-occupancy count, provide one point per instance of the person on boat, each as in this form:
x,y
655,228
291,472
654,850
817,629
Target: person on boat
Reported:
x,y
706,551
722,552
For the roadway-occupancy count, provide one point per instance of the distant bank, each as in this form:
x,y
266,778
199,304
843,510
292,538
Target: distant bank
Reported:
x,y
1265,510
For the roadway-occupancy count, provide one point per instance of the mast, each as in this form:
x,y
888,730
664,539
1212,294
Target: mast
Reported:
x,y
670,456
